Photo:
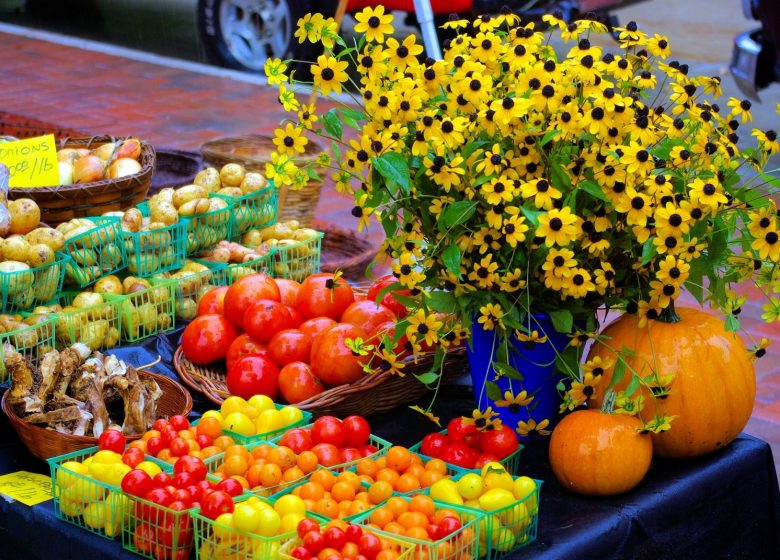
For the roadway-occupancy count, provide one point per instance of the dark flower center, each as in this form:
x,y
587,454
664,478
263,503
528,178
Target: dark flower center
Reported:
x,y
637,203
559,261
668,290
542,186
578,280
642,156
675,220
556,224
289,142
447,127
674,272
357,211
374,22
771,237
402,52
548,91
709,189
508,103
597,113
327,74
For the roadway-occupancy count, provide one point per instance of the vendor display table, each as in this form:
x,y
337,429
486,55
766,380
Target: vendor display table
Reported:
x,y
724,505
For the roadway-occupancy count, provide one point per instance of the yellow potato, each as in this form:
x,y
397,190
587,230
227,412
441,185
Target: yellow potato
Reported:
x,y
185,194
109,285
132,220
232,174
163,212
16,248
209,179
253,182
47,236
39,255
25,215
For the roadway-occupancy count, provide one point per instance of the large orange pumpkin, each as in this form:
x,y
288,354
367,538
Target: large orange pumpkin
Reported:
x,y
714,384
599,454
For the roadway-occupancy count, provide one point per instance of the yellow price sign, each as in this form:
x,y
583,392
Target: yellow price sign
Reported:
x,y
32,162
26,487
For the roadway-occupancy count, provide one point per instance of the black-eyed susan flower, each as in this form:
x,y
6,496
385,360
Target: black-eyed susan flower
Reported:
x,y
530,338
514,228
658,45
329,73
490,316
531,429
759,350
648,311
671,220
483,273
287,99
741,109
637,159
557,227
768,246
541,192
584,389
707,192
290,140
403,53
427,413
767,140
480,419
423,327
275,70
486,239
512,281
309,28
515,402
578,284
386,360
374,23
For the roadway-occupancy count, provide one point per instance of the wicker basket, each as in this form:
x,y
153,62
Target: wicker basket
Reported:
x,y
343,250
45,443
372,394
174,168
253,152
63,202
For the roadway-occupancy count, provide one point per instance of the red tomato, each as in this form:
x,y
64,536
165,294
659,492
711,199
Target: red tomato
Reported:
x,y
297,382
242,346
434,445
162,479
192,465
367,450
306,526
297,439
159,496
327,454
289,345
154,445
354,532
314,542
448,526
328,429
112,440
264,318
501,442
332,360
132,456
483,459
349,454
179,422
253,375
204,441
213,301
388,300
144,538
288,291
369,545
461,455
383,334
356,431
179,447
322,295
301,553
160,424
183,496
137,483
217,503
183,479
207,339
246,291
458,432
231,486
335,538
295,316
315,326
367,315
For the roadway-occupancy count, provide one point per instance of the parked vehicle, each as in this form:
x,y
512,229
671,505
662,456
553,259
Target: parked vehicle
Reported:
x,y
755,62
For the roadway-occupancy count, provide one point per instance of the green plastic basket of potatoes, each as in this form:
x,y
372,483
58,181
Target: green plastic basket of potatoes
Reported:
x,y
297,250
22,287
192,281
95,248
146,308
88,317
32,336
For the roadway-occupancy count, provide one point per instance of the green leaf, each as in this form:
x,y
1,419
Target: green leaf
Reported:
x,y
560,178
427,378
472,147
732,323
568,362
443,302
549,135
532,215
508,371
458,213
620,369
562,320
451,258
593,189
332,123
336,150
493,391
633,385
694,284
393,167
648,251
312,174
353,114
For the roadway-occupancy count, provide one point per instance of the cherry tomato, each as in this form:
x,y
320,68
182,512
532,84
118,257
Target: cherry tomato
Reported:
x,y
159,496
132,457
289,345
154,445
367,315
501,442
458,432
315,326
461,455
112,440
306,526
137,483
297,382
332,360
297,439
356,431
314,541
231,486
288,291
242,346
253,375
162,479
334,537
213,301
144,538
179,422
266,317
168,435
246,291
383,334
217,503
388,300
301,553
183,479
323,295
295,316
349,454
205,488
204,441
485,458
354,532
327,454
160,424
367,450
369,545
179,447
434,445
183,496
207,338
327,429
447,526
193,465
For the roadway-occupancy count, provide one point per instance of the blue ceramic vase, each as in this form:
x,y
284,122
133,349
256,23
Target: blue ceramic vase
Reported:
x,y
535,362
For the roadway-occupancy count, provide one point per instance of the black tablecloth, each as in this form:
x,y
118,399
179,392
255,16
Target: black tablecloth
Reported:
x,y
724,505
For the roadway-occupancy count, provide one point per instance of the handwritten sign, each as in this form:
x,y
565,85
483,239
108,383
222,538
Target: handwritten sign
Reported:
x,y
32,162
26,487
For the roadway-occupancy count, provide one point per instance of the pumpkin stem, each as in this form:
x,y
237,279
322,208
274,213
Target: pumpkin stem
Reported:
x,y
608,404
669,315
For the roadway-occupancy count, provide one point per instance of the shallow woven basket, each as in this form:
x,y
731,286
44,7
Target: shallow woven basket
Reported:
x,y
343,250
371,394
61,203
45,443
174,168
253,152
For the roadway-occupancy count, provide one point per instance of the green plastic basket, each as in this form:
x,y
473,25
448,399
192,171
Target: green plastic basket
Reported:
x,y
267,436
403,547
452,471
85,502
297,260
264,264
32,341
147,312
254,210
25,289
204,231
157,250
510,463
97,326
193,285
153,531
462,544
96,252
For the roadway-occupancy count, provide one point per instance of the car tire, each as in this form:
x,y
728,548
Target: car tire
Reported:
x,y
242,34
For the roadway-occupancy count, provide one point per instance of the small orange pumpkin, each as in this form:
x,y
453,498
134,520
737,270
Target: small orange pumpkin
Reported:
x,y
714,384
600,454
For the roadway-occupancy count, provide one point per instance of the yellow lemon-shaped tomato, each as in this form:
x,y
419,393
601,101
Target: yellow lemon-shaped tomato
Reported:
x,y
149,468
70,509
266,549
65,478
516,518
290,504
94,515
85,491
262,403
495,478
289,523
525,487
110,474
472,504
246,518
506,540
445,490
290,415
239,423
492,465
223,526
233,404
470,486
213,414
270,521
269,421
495,499
107,457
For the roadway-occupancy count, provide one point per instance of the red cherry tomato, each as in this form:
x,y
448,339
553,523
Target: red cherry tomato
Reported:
x,y
162,479
183,496
367,450
295,316
289,345
306,526
253,375
168,435
264,318
367,315
369,545
461,455
388,300
179,447
246,291
301,553
159,496
213,301
288,291
217,503
448,526
323,295
383,334
154,445
332,360
349,454
501,442
334,537
458,432
314,541
315,326
327,429
297,439
356,431
207,338
204,441
144,538
231,486
485,458
132,457
242,346
193,465
183,479
160,424
434,445
137,483
179,422
354,532
297,382
327,454
112,440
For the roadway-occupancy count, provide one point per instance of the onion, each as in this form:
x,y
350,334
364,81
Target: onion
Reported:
x,y
122,168
66,173
88,169
105,151
68,155
130,148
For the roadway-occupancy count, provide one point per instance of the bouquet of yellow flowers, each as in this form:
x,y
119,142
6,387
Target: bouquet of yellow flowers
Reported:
x,y
513,181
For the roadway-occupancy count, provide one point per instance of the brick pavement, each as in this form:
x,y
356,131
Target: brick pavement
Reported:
x,y
174,108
